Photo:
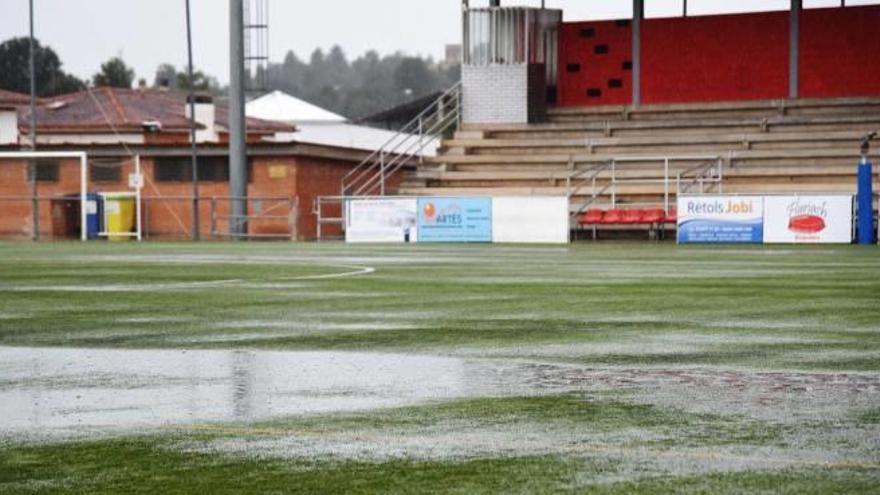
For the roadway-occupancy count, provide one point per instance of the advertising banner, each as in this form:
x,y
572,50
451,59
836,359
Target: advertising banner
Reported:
x,y
381,220
808,219
455,219
530,219
721,219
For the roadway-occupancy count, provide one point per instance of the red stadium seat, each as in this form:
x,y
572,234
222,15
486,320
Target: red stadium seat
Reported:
x,y
612,216
653,215
631,216
671,216
592,217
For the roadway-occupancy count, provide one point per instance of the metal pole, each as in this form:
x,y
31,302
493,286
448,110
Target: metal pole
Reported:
x,y
684,9
35,206
666,184
237,130
196,231
213,217
137,194
83,198
638,14
793,47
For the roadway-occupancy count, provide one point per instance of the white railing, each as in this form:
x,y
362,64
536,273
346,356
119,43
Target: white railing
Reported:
x,y
602,180
406,147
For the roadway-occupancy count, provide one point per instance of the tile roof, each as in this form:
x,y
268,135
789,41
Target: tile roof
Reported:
x,y
13,99
99,110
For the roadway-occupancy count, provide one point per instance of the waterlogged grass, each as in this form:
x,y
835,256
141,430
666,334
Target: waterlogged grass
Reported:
x,y
117,467
643,308
449,298
160,462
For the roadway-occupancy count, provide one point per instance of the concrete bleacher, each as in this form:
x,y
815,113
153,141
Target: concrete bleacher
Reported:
x,y
799,146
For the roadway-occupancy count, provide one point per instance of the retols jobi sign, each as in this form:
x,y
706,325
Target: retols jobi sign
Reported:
x,y
721,219
808,219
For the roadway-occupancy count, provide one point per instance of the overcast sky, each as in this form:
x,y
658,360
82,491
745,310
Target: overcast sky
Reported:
x,y
149,32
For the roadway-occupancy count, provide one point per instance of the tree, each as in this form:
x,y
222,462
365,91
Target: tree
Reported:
x,y
413,77
201,81
15,69
114,73
364,86
166,76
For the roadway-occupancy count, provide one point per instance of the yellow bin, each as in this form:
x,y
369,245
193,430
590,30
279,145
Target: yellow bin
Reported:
x,y
119,215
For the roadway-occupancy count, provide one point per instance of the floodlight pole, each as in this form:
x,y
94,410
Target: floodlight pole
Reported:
x,y
794,29
35,206
192,128
237,130
638,15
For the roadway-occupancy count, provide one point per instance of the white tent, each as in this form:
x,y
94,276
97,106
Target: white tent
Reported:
x,y
316,125
282,107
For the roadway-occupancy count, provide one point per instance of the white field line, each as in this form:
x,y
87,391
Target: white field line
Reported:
x,y
354,272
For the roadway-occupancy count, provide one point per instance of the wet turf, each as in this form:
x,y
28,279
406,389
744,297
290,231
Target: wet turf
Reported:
x,y
786,344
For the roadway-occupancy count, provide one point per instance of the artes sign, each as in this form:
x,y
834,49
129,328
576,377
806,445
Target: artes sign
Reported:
x,y
808,219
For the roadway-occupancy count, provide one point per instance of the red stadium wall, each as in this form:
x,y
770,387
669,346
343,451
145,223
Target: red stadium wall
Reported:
x,y
590,74
722,57
715,58
840,52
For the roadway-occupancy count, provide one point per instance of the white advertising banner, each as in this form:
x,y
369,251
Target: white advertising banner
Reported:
x,y
720,219
381,220
808,219
530,219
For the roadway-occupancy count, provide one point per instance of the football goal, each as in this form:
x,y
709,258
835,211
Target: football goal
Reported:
x,y
64,194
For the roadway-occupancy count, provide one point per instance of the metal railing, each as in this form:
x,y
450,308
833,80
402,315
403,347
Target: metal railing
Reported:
x,y
700,176
270,218
602,180
405,147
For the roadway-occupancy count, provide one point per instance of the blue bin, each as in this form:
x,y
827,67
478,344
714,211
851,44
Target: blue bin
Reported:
x,y
94,215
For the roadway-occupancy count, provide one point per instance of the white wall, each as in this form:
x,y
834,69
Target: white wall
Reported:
x,y
530,219
8,127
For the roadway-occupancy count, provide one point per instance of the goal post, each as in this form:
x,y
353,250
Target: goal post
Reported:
x,y
78,192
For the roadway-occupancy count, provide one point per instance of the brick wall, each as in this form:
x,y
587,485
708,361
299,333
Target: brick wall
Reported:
x,y
722,57
167,206
595,63
495,94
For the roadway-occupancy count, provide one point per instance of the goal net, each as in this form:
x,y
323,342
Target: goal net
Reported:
x,y
56,195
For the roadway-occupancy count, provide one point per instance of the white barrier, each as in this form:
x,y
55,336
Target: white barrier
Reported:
x,y
521,219
381,220
530,219
808,219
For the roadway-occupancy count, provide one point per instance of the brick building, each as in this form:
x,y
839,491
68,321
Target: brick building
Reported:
x,y
115,125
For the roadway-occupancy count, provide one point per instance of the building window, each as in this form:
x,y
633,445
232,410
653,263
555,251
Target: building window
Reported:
x,y
179,169
47,171
105,172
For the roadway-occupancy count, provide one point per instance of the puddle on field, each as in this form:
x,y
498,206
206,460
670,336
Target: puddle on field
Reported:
x,y
59,392
48,392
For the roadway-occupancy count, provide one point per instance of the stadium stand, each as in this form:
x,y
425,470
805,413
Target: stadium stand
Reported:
x,y
620,157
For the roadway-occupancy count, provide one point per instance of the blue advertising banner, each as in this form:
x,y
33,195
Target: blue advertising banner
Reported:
x,y
455,220
721,219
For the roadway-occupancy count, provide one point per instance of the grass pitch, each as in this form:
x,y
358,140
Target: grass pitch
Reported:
x,y
609,368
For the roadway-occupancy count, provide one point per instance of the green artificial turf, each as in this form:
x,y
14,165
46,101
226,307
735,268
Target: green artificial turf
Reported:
x,y
650,308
